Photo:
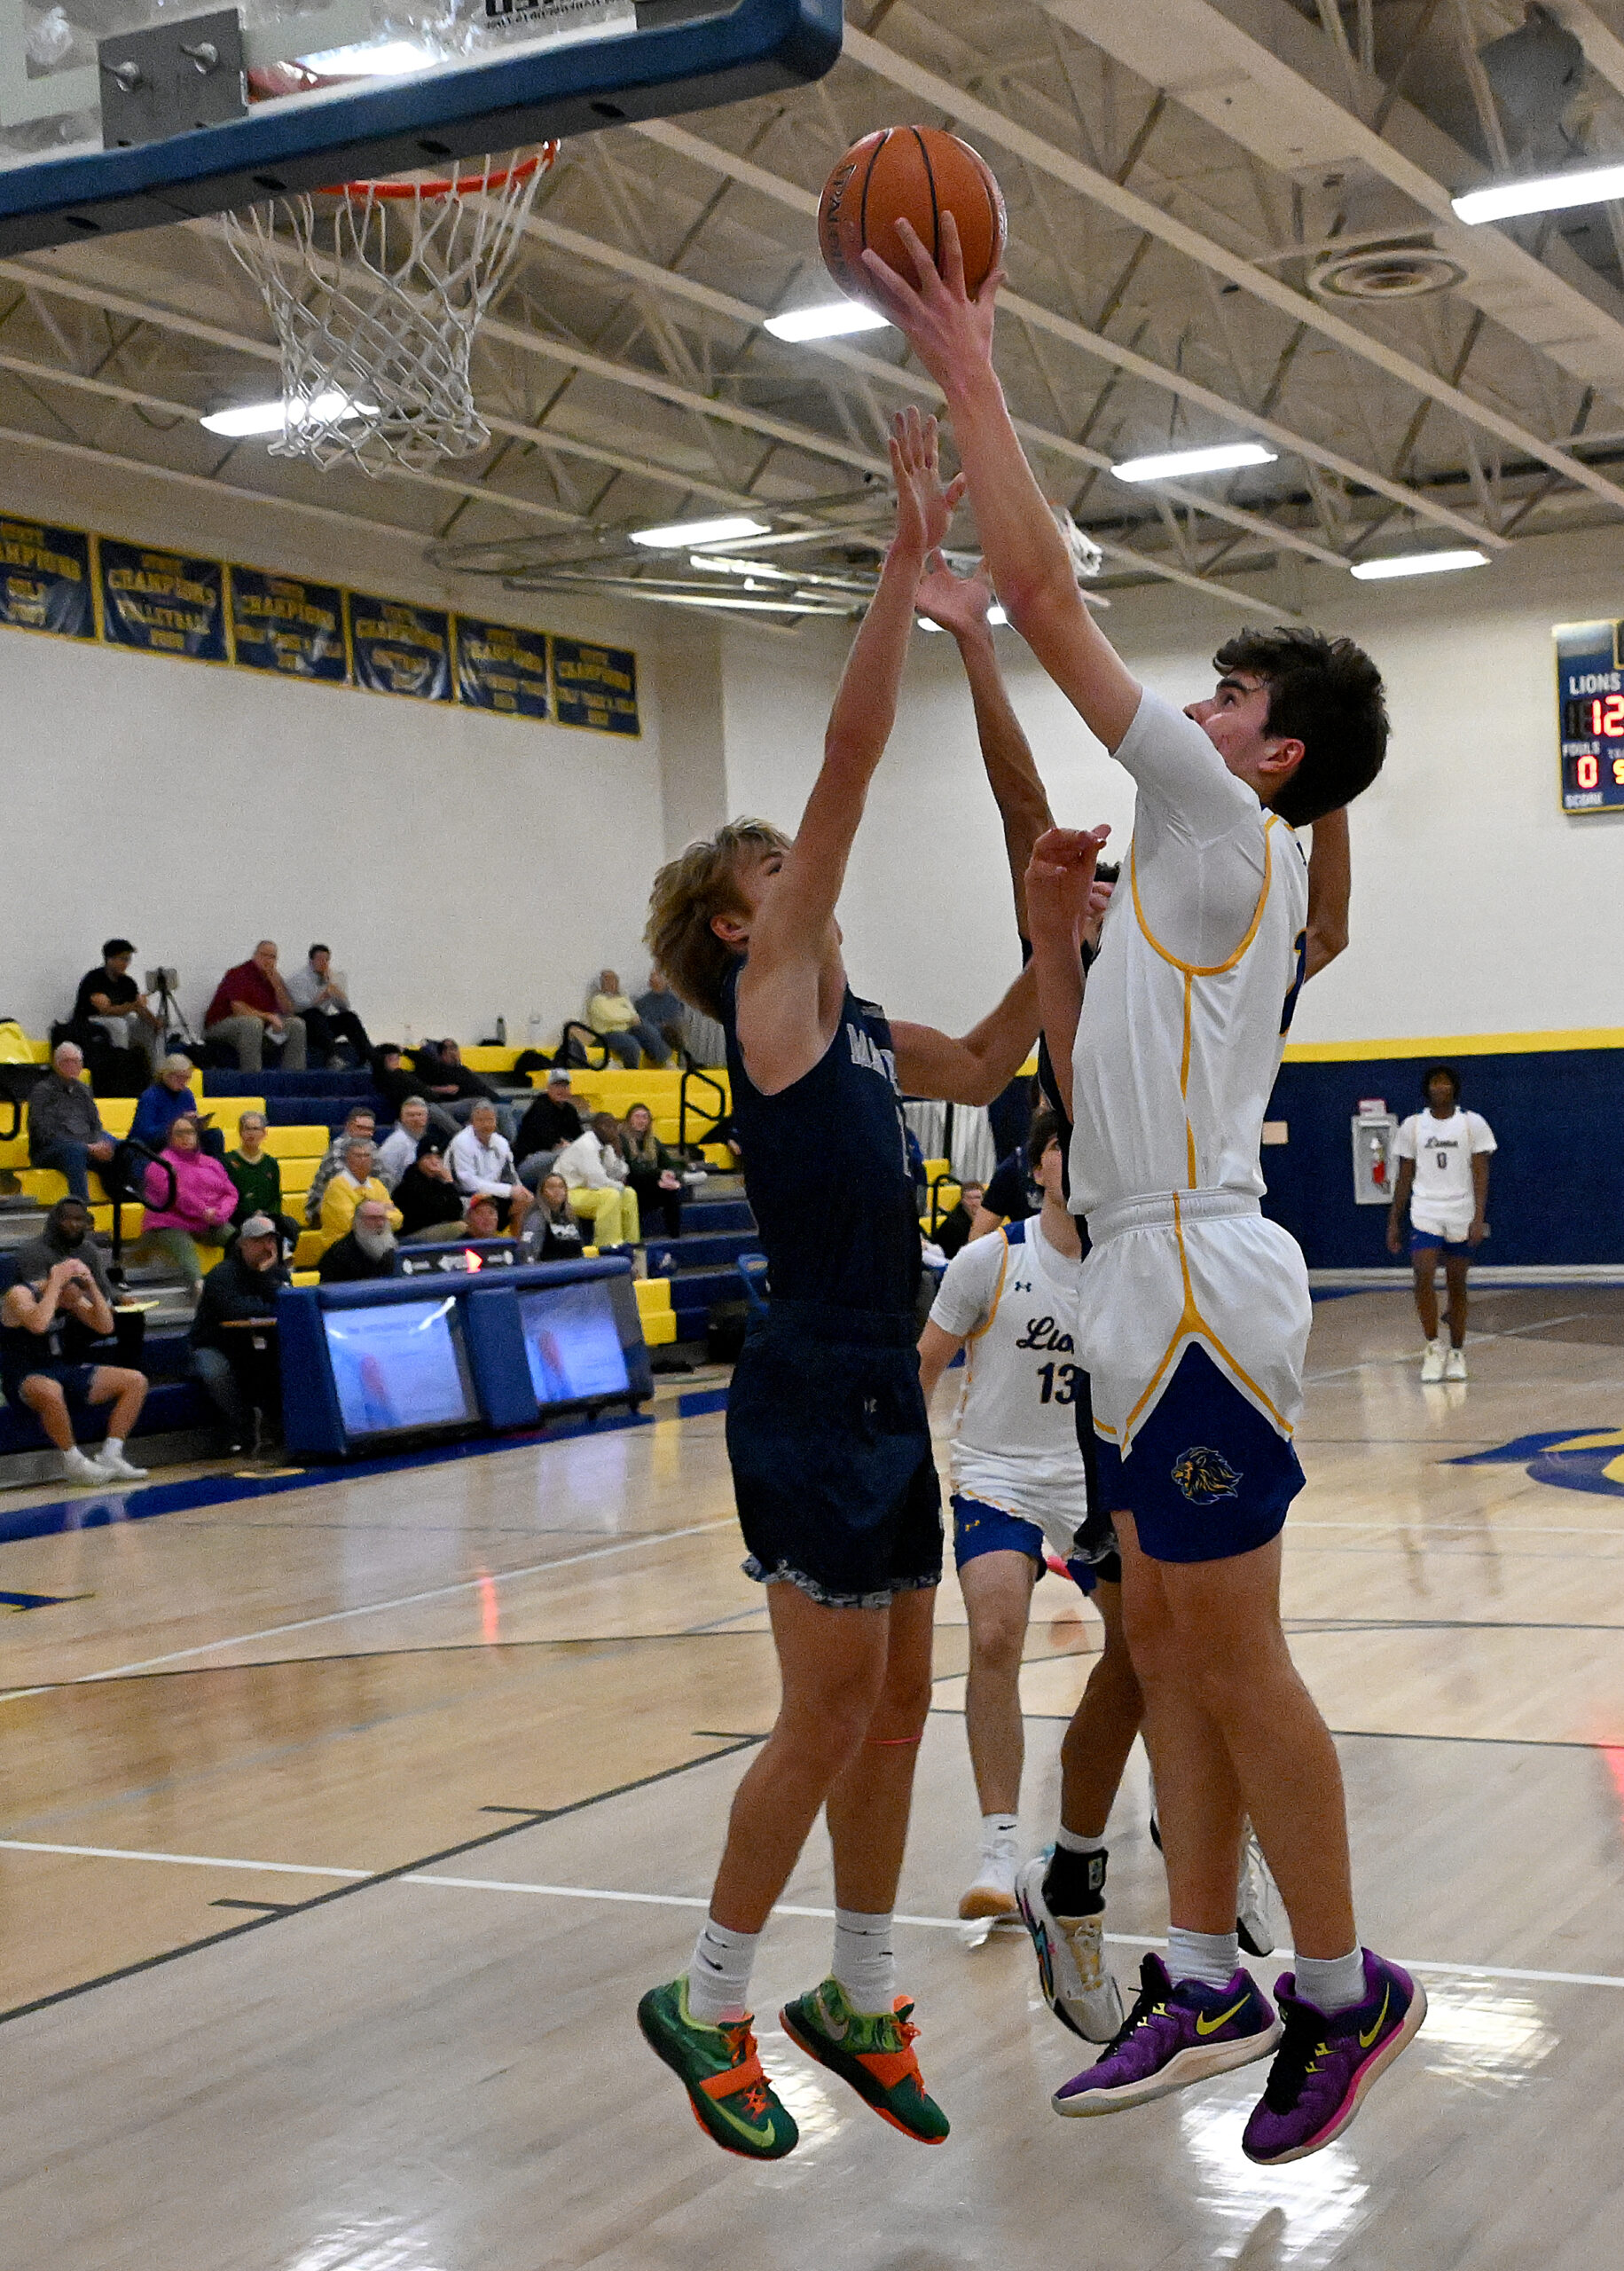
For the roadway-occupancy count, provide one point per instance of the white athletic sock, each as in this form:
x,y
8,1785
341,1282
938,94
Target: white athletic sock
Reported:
x,y
720,1973
1075,1841
998,1832
863,1960
113,1447
1213,1958
1331,1983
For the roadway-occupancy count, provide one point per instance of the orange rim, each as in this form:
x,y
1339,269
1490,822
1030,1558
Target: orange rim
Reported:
x,y
464,186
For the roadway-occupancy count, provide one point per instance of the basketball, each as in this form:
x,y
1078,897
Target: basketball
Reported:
x,y
917,174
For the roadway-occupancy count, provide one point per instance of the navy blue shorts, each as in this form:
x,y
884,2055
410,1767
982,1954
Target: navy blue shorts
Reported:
x,y
978,1528
72,1379
1435,1242
830,1444
1208,1476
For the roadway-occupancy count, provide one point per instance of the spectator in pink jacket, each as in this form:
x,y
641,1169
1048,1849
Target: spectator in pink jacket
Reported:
x,y
205,1199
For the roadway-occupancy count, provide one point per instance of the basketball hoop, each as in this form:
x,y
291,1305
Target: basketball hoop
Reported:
x,y
375,289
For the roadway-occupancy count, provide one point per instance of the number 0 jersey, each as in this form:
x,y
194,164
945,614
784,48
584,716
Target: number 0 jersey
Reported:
x,y
1013,1300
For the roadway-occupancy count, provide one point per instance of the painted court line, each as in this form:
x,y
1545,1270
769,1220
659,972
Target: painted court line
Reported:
x,y
370,1608
604,1895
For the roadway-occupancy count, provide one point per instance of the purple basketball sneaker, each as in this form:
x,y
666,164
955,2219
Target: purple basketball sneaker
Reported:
x,y
1326,2064
1171,2036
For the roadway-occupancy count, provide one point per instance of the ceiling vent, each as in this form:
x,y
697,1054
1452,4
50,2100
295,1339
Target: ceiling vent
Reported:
x,y
1409,268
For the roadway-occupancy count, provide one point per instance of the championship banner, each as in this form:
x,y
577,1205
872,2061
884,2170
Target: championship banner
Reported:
x,y
501,668
400,650
595,687
162,603
284,624
45,579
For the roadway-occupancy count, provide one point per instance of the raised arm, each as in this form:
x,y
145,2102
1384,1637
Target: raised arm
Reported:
x,y
1032,568
960,604
790,991
1060,896
1330,883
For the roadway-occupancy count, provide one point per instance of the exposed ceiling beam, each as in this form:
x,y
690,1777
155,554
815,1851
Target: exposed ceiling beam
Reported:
x,y
1104,349
1140,213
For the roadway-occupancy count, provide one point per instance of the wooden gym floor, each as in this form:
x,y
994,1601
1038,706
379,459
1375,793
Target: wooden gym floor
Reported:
x,y
341,1828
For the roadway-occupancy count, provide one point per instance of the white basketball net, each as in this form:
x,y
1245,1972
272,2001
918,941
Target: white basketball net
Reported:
x,y
376,290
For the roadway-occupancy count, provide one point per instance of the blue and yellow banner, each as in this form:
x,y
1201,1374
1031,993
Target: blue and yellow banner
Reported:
x,y
396,648
287,625
162,603
595,687
45,579
500,668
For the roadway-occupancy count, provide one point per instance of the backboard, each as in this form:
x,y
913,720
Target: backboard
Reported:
x,y
132,114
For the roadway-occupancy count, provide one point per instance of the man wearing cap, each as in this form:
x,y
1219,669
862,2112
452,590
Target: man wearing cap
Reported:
x,y
551,1121
233,1338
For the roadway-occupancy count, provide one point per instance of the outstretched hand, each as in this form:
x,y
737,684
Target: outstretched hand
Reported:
x,y
1060,887
951,333
924,507
959,603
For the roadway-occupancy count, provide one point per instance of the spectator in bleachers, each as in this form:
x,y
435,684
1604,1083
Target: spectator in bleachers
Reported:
x,y
360,1125
240,1369
316,993
395,1081
399,1148
67,1234
204,1200
158,1107
481,1160
427,1194
664,1012
654,1172
479,1217
596,1175
551,1121
365,1250
356,1183
470,1087
37,1372
109,997
614,1018
64,1129
953,1232
257,1174
252,1009
552,1233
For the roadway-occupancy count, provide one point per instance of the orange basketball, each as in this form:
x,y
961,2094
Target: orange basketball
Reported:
x,y
913,173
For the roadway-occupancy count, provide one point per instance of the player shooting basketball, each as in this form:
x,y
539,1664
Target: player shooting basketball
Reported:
x,y
1195,1309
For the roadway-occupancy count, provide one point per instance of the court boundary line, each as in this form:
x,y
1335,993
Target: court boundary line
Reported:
x,y
420,1877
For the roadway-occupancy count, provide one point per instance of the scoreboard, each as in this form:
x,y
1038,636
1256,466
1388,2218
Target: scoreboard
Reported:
x,y
1590,716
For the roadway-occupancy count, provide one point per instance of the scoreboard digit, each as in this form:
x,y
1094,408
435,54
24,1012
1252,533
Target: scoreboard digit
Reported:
x,y
1590,716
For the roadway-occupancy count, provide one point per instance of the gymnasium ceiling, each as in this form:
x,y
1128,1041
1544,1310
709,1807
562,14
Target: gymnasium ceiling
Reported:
x,y
1199,192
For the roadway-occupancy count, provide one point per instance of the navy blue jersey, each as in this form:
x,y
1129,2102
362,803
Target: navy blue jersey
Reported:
x,y
826,1168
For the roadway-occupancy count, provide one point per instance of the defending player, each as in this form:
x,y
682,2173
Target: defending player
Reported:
x,y
1443,1155
1195,1310
1009,1301
827,1430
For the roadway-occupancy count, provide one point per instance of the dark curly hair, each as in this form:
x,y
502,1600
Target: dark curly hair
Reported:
x,y
1044,1130
1441,1072
1327,694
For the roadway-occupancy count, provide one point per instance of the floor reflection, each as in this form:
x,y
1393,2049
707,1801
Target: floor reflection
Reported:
x,y
1478,2034
1298,2216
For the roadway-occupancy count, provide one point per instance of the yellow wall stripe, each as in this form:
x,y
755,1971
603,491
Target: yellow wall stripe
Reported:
x,y
1474,1044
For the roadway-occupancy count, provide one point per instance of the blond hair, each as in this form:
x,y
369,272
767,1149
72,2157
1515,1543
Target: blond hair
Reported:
x,y
688,892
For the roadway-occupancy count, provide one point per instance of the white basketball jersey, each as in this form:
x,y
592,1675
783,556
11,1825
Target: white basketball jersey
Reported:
x,y
1188,1006
1013,1300
1444,1194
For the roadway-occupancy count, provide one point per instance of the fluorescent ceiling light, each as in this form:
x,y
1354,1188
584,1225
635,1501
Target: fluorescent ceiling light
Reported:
x,y
390,58
680,532
1549,193
1417,563
1220,459
833,320
270,417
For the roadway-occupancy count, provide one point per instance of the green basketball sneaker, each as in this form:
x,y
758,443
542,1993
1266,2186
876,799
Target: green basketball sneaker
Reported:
x,y
732,2101
874,2051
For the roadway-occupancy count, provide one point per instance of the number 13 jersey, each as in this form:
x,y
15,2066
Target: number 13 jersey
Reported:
x,y
1013,1300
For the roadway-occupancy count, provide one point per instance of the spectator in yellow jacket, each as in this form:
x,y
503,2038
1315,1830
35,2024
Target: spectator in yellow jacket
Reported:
x,y
356,1180
613,1017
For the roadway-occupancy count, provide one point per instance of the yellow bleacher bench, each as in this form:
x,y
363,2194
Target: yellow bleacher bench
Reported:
x,y
308,1142
654,1305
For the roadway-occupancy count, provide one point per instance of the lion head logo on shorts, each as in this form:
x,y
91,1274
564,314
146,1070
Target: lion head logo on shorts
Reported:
x,y
1204,1475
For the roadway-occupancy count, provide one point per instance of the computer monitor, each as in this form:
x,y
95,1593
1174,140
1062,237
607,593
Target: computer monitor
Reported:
x,y
572,1342
400,1366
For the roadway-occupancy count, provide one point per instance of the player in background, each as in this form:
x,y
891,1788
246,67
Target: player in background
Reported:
x,y
827,1434
1195,1310
1443,1179
1019,1485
